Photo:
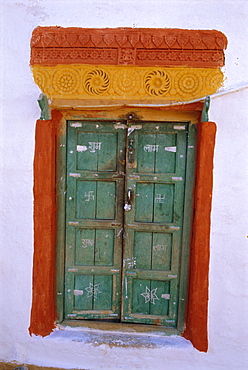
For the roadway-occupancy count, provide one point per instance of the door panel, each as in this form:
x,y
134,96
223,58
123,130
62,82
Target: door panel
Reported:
x,y
132,275
94,247
153,226
94,219
97,152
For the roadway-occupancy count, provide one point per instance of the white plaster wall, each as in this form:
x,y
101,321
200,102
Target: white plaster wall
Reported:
x,y
18,112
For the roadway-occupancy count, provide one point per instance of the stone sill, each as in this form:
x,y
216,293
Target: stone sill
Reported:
x,y
119,335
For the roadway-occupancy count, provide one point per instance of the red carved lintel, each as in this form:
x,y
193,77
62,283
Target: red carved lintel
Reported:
x,y
128,46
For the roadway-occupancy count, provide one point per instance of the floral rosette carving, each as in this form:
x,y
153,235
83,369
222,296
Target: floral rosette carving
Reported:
x,y
66,81
126,82
188,83
41,78
157,82
97,81
214,80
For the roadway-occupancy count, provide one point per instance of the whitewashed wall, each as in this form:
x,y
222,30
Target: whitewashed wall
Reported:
x,y
18,112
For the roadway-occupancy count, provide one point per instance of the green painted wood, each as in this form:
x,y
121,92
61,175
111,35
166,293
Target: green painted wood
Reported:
x,y
142,247
144,202
103,298
163,203
187,224
140,304
157,181
146,153
83,284
166,158
85,246
106,194
161,294
153,273
161,251
94,217
60,234
104,250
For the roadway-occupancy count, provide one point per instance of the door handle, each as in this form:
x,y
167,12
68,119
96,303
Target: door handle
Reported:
x,y
128,205
129,196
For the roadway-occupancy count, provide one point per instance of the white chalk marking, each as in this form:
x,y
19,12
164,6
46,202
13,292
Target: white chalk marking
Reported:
x,y
76,124
130,262
159,198
165,296
93,290
71,174
150,295
81,148
93,146
170,149
179,127
87,243
89,196
151,148
78,292
120,125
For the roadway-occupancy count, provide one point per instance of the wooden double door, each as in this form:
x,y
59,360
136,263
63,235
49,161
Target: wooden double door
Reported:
x,y
125,219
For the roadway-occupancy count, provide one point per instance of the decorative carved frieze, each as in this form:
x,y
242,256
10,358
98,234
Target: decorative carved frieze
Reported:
x,y
127,46
121,82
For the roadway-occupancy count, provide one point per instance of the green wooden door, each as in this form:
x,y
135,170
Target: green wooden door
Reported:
x,y
94,220
124,220
155,177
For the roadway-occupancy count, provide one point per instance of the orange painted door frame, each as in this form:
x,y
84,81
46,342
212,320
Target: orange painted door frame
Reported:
x,y
43,313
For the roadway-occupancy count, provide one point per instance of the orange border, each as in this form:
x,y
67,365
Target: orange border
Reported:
x,y
127,46
43,313
197,313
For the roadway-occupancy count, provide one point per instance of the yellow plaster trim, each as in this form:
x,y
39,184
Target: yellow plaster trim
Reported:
x,y
127,83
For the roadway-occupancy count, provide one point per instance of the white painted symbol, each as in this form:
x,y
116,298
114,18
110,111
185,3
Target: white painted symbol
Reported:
x,y
78,292
130,262
150,295
159,247
179,127
151,148
76,124
165,296
93,290
81,148
89,196
87,243
172,149
93,146
159,198
71,174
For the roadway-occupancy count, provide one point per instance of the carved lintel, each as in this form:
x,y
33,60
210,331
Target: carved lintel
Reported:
x,y
126,82
126,46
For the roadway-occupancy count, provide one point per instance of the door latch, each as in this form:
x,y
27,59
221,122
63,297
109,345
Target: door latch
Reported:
x,y
128,205
130,153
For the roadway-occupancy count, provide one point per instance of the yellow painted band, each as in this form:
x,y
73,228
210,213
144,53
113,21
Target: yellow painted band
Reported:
x,y
128,82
